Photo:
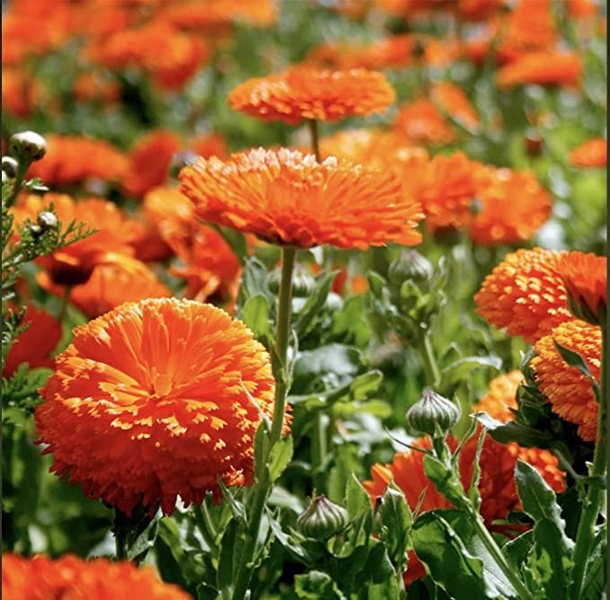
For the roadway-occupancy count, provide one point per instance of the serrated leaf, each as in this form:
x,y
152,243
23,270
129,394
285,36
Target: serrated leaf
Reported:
x,y
280,457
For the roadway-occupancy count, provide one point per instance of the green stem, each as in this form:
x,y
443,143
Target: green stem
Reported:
x,y
315,137
121,528
262,486
585,534
319,451
22,168
206,526
431,370
65,300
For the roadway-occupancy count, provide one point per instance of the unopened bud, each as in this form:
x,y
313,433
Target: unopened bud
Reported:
x,y
28,146
302,282
9,166
322,519
433,414
47,220
410,265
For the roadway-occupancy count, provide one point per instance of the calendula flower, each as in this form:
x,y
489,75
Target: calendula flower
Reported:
x,y
74,159
531,26
303,92
586,281
119,280
154,400
21,93
289,198
592,153
501,396
422,123
71,577
209,144
150,159
454,101
91,87
542,68
34,345
73,264
508,207
525,293
568,390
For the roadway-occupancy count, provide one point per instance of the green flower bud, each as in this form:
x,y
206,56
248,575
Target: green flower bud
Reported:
x,y
322,519
433,414
5,177
28,146
410,265
302,282
47,220
9,166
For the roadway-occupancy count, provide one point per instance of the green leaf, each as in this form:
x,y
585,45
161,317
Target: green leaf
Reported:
x,y
445,480
357,500
396,520
253,281
306,317
255,314
595,575
551,557
315,585
573,359
514,432
460,369
280,457
231,554
143,542
261,445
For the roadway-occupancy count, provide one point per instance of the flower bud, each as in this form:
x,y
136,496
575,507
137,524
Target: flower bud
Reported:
x,y
28,146
182,159
322,519
9,166
5,177
302,282
410,265
433,414
47,220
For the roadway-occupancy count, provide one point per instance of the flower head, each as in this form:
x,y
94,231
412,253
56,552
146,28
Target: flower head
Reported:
x,y
568,390
422,123
303,92
73,578
454,101
525,293
154,400
501,396
542,68
585,277
288,198
592,153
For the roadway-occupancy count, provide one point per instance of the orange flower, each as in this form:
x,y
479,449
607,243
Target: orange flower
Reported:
x,y
592,153
209,144
121,279
586,281
74,263
531,26
542,68
21,93
150,160
422,123
525,293
36,343
454,101
176,57
511,207
90,87
74,159
501,396
582,9
153,401
303,92
567,389
286,197
72,578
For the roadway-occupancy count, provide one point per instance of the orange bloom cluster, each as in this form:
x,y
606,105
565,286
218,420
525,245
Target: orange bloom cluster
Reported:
x,y
36,343
72,578
542,68
74,159
470,10
525,293
208,264
152,401
289,198
585,277
592,153
303,92
176,58
568,390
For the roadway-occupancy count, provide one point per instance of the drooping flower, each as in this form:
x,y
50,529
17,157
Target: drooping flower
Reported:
x,y
303,92
289,198
568,390
542,68
525,293
36,343
72,578
154,400
74,263
74,159
592,153
585,277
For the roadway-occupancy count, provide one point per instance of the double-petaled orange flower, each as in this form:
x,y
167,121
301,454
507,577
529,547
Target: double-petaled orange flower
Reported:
x,y
155,400
289,198
542,68
500,397
525,293
72,578
73,159
592,153
40,337
568,390
421,122
303,92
